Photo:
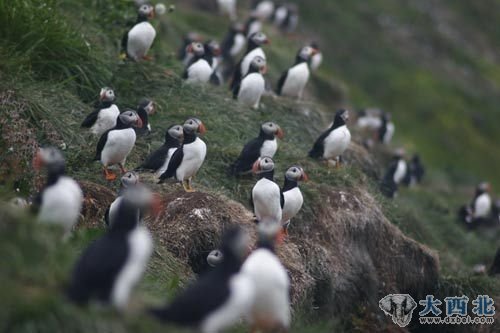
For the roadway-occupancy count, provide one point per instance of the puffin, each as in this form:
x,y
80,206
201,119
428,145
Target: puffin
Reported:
x,y
262,9
286,17
252,86
333,142
228,7
416,171
279,14
233,43
481,205
316,59
386,129
369,118
293,81
115,144
145,108
395,175
220,297
270,311
215,257
254,48
252,25
60,200
199,70
188,158
112,265
263,145
104,116
266,197
158,160
183,54
138,40
128,180
213,50
292,196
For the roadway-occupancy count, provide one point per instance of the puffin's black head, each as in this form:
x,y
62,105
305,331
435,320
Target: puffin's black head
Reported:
x,y
314,45
196,48
215,257
130,118
258,38
237,27
175,131
145,12
258,65
130,178
483,187
306,53
147,105
263,164
107,95
193,125
270,128
341,117
51,158
212,48
235,243
296,173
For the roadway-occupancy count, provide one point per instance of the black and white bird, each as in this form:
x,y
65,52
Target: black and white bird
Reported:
x,y
138,40
253,25
416,171
220,297
158,160
270,311
254,49
395,174
111,266
228,7
187,160
60,200
233,43
316,59
262,9
145,108
213,50
182,53
263,145
266,198
333,142
104,116
215,257
293,81
286,17
250,89
115,144
481,205
199,70
386,129
292,196
128,180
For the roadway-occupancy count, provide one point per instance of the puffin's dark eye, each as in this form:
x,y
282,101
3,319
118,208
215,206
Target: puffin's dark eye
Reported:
x,y
294,170
270,125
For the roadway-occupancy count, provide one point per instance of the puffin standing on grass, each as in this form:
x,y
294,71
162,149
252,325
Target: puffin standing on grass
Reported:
x,y
219,298
145,108
264,10
396,174
292,196
386,129
182,53
481,205
187,160
60,200
234,43
115,145
104,116
158,160
294,80
199,70
333,142
138,40
111,266
252,86
128,180
254,49
263,145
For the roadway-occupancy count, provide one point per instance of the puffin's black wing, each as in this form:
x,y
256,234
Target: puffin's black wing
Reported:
x,y
173,164
236,90
145,121
388,187
319,146
100,145
214,79
236,75
249,154
156,159
189,309
281,82
96,270
106,216
282,199
125,41
90,119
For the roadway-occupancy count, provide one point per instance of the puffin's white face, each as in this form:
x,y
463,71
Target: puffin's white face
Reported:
x,y
176,132
259,63
130,178
296,173
263,164
307,52
196,49
147,11
343,113
214,48
484,187
271,128
259,38
148,106
194,125
131,118
48,156
107,95
215,257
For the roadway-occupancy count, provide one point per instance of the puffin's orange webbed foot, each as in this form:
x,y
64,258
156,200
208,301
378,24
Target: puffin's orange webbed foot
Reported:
x,y
147,58
110,176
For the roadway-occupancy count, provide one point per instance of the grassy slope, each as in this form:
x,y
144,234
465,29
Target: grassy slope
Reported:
x,y
374,71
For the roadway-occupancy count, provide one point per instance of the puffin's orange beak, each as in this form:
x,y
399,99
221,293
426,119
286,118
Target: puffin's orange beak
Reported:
x,y
304,177
256,166
280,134
139,122
217,52
102,96
156,205
189,48
202,129
37,161
267,41
263,70
152,14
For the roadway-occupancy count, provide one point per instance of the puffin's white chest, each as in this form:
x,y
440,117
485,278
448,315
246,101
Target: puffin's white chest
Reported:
x,y
237,306
272,300
228,7
238,45
296,80
61,203
251,89
254,27
106,119
165,164
194,155
389,133
336,142
293,203
118,145
269,148
400,172
316,61
140,244
264,10
245,64
267,201
199,72
482,205
280,15
369,122
140,39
